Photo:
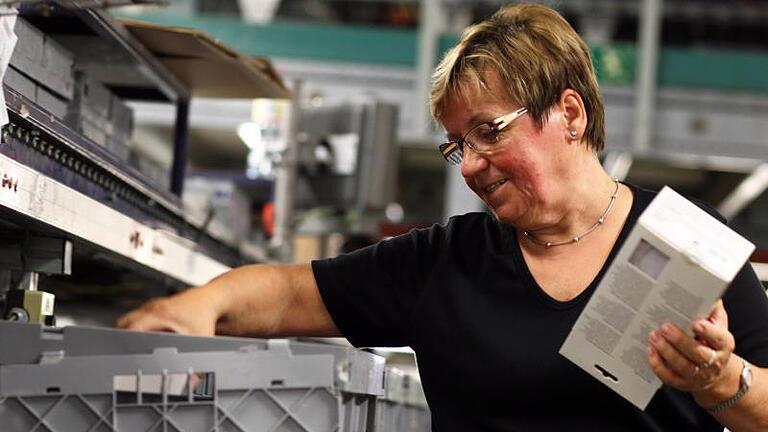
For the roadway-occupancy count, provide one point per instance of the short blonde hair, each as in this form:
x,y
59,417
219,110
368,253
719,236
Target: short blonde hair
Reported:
x,y
536,54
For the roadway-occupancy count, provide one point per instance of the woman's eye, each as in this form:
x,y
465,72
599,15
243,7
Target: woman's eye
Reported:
x,y
489,135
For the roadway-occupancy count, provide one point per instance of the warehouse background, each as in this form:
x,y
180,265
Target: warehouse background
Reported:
x,y
707,95
308,131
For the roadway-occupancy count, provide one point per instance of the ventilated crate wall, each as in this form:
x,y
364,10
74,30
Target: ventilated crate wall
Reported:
x,y
403,408
273,386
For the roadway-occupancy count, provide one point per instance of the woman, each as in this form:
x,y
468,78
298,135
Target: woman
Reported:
x,y
486,302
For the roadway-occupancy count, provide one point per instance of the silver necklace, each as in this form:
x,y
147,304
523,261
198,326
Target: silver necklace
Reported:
x,y
575,239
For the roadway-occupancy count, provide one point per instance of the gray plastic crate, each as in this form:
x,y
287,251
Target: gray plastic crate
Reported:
x,y
85,379
403,407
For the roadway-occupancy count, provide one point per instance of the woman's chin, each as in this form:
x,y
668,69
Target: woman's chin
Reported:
x,y
503,216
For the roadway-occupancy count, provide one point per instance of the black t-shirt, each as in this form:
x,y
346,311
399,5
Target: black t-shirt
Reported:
x,y
487,337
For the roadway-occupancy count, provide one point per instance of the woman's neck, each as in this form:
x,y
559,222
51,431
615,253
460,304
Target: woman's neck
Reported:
x,y
590,202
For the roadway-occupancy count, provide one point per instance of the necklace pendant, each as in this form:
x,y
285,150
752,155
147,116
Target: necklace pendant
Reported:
x,y
549,244
575,239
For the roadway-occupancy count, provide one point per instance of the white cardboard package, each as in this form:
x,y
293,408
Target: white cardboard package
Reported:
x,y
677,261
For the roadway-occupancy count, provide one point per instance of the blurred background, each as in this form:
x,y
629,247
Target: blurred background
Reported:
x,y
692,118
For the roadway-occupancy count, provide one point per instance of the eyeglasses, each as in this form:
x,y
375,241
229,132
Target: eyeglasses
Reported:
x,y
482,139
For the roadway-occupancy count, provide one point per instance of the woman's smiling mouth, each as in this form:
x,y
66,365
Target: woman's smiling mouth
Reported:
x,y
495,185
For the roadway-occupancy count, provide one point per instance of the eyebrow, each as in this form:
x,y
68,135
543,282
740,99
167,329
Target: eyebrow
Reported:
x,y
473,121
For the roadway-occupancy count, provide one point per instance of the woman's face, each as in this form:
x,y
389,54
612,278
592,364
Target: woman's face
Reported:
x,y
517,182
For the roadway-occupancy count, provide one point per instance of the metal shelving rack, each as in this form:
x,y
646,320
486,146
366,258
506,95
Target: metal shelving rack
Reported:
x,y
60,184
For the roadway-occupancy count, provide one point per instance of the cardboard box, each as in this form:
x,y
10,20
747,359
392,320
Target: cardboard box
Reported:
x,y
677,261
206,66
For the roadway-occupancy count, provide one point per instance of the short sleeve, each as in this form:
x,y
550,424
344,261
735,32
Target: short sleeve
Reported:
x,y
371,293
746,303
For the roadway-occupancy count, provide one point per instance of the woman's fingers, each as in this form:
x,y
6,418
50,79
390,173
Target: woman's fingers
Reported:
x,y
688,363
180,313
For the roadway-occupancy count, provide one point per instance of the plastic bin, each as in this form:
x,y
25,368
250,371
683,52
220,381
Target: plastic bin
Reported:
x,y
403,408
86,379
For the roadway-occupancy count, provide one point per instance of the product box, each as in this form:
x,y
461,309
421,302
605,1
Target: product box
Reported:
x,y
94,132
17,81
91,101
101,116
121,119
57,69
677,261
35,93
121,149
50,102
43,59
28,53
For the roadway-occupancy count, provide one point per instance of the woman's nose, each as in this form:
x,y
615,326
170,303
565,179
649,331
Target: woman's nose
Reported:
x,y
472,163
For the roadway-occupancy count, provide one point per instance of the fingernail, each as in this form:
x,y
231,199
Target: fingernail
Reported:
x,y
667,328
698,326
653,336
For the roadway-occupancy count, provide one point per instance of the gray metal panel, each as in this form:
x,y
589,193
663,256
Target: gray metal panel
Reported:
x,y
378,155
692,123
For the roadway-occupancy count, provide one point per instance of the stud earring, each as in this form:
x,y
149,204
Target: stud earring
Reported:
x,y
573,133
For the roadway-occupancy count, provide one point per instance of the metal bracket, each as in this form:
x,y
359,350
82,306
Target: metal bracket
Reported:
x,y
38,254
21,263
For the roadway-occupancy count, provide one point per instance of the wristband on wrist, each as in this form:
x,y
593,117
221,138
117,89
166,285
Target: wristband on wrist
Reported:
x,y
745,382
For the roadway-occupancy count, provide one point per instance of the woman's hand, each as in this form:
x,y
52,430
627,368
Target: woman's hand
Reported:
x,y
188,312
694,364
